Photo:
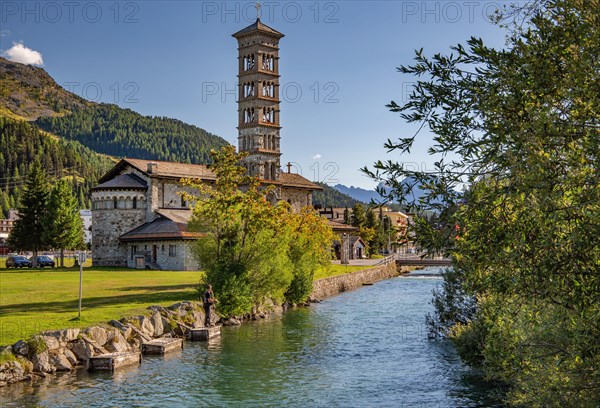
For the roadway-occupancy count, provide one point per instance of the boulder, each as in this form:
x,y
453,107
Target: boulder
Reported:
x,y
70,356
146,326
124,328
52,342
99,334
12,371
232,322
60,361
117,344
63,336
82,350
166,324
159,309
20,348
41,363
157,322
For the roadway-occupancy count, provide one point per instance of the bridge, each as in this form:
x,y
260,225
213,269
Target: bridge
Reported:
x,y
419,259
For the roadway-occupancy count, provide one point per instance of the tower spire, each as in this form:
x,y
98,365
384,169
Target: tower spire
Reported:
x,y
258,100
258,10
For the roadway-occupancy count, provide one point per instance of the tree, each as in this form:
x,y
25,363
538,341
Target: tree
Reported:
x,y
309,247
254,250
27,233
63,228
358,215
522,127
346,216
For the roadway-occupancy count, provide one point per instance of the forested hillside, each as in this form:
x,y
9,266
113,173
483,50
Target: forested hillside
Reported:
x,y
330,197
23,143
70,135
120,132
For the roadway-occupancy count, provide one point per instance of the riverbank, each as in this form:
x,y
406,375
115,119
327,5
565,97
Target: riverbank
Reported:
x,y
70,348
307,356
333,285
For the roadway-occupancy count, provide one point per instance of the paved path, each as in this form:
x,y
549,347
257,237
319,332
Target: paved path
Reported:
x,y
364,262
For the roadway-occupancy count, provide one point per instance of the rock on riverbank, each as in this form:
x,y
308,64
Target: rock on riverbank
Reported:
x,y
67,349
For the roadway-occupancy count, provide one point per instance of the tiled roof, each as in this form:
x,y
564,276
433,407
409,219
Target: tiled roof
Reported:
x,y
181,216
173,169
126,181
296,180
171,225
257,26
341,227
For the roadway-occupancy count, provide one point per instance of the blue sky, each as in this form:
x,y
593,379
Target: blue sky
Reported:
x,y
178,59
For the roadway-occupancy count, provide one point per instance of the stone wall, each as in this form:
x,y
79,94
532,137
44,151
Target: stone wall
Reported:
x,y
333,285
108,224
297,197
182,260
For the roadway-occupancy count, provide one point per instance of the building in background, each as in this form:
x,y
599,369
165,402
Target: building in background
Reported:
x,y
86,219
138,218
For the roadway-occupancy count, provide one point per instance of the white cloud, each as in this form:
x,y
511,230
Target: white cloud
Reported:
x,y
317,156
19,53
4,33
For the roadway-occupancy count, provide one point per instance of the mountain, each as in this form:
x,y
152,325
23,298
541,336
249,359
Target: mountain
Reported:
x,y
28,92
59,157
330,197
74,137
115,131
366,196
358,193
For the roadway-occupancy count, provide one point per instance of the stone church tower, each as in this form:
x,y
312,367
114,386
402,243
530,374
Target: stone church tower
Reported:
x,y
258,100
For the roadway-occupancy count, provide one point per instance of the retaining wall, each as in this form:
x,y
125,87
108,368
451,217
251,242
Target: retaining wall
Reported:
x,y
333,285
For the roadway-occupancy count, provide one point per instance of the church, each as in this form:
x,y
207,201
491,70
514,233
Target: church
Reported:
x,y
140,221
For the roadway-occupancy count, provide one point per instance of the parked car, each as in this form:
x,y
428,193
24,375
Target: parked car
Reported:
x,y
18,261
43,260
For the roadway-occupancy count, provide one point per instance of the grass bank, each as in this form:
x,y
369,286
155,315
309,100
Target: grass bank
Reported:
x,y
33,300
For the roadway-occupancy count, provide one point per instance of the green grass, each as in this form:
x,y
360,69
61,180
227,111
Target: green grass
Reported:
x,y
333,270
33,300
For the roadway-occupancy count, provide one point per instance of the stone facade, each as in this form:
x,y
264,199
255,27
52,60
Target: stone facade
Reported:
x,y
109,223
173,255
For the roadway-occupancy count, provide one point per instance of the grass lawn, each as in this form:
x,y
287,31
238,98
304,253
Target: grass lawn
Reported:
x,y
33,300
333,270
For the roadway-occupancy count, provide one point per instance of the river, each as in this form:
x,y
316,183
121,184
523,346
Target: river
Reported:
x,y
363,348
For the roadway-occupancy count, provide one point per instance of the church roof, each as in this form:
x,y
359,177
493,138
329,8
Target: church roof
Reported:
x,y
296,180
170,225
257,26
339,227
173,170
123,181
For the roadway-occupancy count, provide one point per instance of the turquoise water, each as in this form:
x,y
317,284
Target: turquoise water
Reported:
x,y
363,348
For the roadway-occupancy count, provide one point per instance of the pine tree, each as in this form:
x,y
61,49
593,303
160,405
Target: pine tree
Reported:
x,y
358,215
63,228
346,216
27,234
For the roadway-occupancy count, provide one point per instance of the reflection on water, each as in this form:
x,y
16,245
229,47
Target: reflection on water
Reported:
x,y
363,348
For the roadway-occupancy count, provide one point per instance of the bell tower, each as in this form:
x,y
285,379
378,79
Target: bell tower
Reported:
x,y
258,99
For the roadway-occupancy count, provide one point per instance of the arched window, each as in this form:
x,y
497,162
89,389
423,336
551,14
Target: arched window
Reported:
x,y
134,202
